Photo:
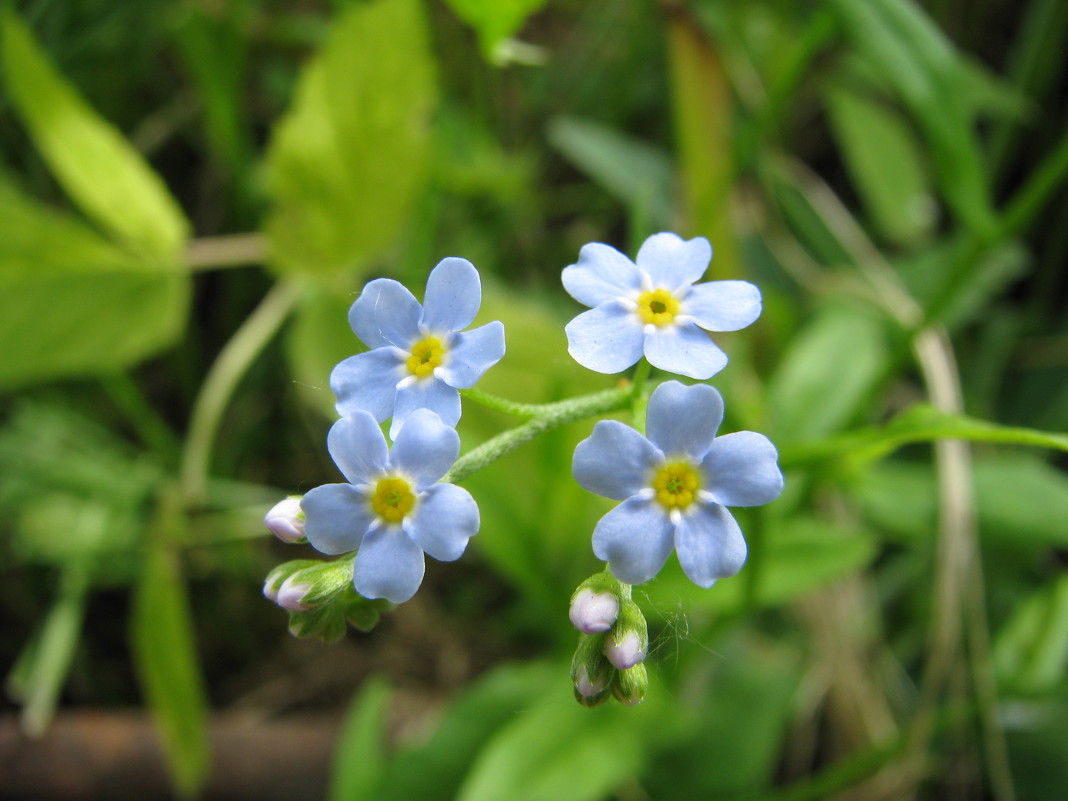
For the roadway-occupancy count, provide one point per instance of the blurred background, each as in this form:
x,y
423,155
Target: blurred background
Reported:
x,y
192,194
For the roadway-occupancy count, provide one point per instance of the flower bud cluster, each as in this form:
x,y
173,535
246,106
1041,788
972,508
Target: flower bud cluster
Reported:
x,y
320,598
612,645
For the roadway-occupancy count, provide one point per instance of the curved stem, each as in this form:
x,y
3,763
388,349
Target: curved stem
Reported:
x,y
549,416
503,404
222,380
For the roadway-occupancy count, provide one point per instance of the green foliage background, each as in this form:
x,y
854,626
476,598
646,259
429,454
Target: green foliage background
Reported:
x,y
191,195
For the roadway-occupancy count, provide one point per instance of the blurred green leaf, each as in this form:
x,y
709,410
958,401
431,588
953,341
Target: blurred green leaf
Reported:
x,y
1031,650
1022,500
38,676
164,651
494,20
636,173
71,303
317,338
434,770
884,160
919,423
100,170
924,69
556,750
827,374
359,755
346,163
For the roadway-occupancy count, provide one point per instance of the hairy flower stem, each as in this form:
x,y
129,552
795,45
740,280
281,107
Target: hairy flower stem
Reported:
x,y
546,417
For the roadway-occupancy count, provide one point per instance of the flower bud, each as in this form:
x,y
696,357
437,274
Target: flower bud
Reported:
x,y
625,646
292,593
630,686
593,612
590,671
286,520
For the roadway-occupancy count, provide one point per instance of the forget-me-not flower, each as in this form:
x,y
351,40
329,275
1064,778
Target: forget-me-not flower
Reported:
x,y
652,306
393,509
676,486
420,356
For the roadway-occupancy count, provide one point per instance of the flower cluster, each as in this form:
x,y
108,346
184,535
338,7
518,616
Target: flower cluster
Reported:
x,y
675,482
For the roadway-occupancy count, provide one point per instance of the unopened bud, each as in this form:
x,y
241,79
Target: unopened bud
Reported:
x,y
590,671
291,595
286,520
625,646
624,653
631,685
593,612
587,687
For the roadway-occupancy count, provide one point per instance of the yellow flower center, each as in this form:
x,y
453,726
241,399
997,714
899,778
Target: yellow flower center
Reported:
x,y
657,306
393,499
426,355
675,485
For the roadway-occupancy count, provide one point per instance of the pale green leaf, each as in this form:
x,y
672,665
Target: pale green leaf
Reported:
x,y
359,756
1031,650
72,303
346,163
99,169
494,20
165,656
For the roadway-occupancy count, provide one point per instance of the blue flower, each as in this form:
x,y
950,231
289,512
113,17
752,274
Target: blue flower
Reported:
x,y
653,307
676,486
392,510
419,356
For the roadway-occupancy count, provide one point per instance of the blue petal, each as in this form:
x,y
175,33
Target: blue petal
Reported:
x,y
369,381
709,544
723,305
741,469
444,520
424,448
614,461
607,339
388,565
635,539
601,274
684,349
672,262
453,295
386,313
358,448
425,393
336,516
683,420
471,354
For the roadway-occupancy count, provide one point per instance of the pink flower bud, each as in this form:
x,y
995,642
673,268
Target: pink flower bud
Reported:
x,y
586,687
291,595
625,652
594,612
286,520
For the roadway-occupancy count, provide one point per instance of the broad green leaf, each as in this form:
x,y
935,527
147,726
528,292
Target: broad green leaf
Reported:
x,y
346,163
494,20
1036,732
882,155
98,168
827,374
359,755
164,652
928,74
636,173
1022,501
1031,650
558,749
41,670
434,770
72,303
918,423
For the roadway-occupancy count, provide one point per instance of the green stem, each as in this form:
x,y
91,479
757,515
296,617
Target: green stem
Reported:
x,y
222,380
549,416
503,404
